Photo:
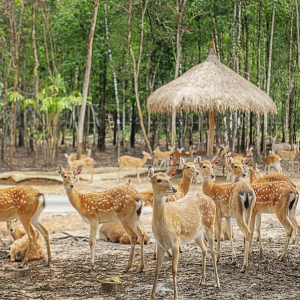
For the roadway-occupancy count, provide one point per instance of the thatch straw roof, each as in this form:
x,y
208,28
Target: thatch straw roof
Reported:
x,y
210,86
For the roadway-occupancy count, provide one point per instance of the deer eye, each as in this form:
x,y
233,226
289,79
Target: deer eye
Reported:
x,y
74,177
65,176
235,167
188,167
204,167
158,180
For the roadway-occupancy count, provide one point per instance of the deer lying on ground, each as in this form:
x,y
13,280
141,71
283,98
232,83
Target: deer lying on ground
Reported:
x,y
129,161
164,156
15,230
175,156
88,154
121,204
26,204
234,200
272,160
277,197
288,155
19,248
280,146
179,222
115,233
87,162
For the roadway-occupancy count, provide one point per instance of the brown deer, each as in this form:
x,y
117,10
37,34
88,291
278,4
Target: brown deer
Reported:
x,y
88,154
115,233
26,204
179,222
277,197
121,204
234,200
175,156
272,160
130,161
163,156
87,162
288,155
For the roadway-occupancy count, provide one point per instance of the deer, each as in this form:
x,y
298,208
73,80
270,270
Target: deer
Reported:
x,y
234,200
129,161
15,230
163,156
19,248
86,162
216,150
121,204
178,222
288,155
272,160
115,233
88,154
26,204
175,156
279,197
281,146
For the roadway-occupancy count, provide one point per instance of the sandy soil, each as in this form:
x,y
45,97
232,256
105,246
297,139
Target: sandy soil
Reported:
x,y
266,278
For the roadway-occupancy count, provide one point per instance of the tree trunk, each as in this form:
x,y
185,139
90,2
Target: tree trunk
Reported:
x,y
211,134
86,81
298,34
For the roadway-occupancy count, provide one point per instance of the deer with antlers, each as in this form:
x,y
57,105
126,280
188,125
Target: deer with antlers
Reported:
x,y
179,222
26,204
279,197
130,161
234,200
122,204
86,162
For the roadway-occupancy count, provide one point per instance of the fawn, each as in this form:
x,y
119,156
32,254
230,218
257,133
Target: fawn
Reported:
x,y
121,204
15,230
179,222
272,160
163,156
26,204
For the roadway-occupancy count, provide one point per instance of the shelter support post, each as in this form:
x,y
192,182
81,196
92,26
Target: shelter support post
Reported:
x,y
211,133
173,127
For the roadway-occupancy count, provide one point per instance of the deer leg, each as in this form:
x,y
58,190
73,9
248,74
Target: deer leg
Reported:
x,y
31,236
40,227
175,256
229,232
293,219
218,226
140,235
258,230
138,174
93,232
201,244
121,167
92,174
160,257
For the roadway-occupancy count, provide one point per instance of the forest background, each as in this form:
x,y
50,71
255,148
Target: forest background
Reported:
x,y
132,48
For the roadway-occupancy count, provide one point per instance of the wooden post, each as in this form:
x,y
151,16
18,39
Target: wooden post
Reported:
x,y
211,133
173,127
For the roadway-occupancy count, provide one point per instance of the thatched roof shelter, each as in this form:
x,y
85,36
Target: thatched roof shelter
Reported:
x,y
210,86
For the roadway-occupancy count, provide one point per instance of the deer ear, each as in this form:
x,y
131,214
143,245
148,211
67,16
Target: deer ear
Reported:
x,y
254,166
245,161
78,170
171,172
143,152
182,162
150,173
251,148
215,160
129,182
230,161
60,169
197,160
66,155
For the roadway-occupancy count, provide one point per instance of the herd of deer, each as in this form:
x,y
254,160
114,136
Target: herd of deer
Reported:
x,y
178,217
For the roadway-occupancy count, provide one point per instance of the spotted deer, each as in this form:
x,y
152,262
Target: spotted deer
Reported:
x,y
234,200
130,161
87,162
115,233
26,204
15,229
272,160
88,154
179,222
163,156
175,156
288,155
277,197
122,204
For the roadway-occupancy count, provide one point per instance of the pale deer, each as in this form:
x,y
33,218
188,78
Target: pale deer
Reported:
x,y
136,162
115,233
88,154
19,248
288,155
26,204
280,146
15,229
234,200
179,222
175,156
163,156
122,204
277,197
87,162
272,160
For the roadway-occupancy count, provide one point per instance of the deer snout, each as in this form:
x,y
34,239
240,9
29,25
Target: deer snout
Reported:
x,y
212,176
174,189
71,185
244,175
